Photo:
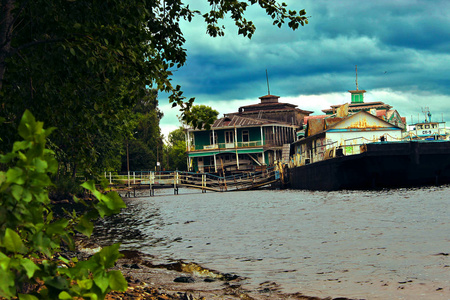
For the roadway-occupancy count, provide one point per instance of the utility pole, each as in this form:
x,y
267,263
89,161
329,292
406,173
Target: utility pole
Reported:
x,y
128,165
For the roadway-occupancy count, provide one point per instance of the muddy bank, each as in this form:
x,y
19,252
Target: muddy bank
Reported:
x,y
183,281
180,280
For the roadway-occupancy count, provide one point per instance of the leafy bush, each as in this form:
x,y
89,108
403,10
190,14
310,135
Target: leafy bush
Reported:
x,y
31,237
64,188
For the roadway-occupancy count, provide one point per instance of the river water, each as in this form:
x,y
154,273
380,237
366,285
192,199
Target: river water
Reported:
x,y
388,244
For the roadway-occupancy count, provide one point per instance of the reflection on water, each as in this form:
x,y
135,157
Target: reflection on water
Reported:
x,y
363,244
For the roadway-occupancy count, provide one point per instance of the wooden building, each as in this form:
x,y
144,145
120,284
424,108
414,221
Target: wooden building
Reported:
x,y
253,138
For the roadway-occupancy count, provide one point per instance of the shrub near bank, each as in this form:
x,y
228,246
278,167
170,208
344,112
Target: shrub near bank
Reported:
x,y
31,237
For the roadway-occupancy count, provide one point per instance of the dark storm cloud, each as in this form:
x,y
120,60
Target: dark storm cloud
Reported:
x,y
401,48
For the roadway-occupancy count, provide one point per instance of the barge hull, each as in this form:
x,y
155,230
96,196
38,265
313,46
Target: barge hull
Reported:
x,y
383,165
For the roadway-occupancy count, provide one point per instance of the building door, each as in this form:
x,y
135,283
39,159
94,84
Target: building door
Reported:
x,y
229,139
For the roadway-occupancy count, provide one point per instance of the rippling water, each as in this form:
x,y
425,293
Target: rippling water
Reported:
x,y
390,244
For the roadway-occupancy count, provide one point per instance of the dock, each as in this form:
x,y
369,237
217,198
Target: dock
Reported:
x,y
151,180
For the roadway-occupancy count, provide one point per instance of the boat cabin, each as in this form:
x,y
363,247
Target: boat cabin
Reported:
x,y
336,136
427,131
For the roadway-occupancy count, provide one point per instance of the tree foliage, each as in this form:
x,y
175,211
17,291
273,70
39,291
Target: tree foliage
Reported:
x,y
145,141
204,116
30,236
176,150
79,65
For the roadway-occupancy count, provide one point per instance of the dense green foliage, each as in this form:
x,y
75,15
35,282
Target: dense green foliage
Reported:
x,y
205,116
142,146
31,237
80,66
176,150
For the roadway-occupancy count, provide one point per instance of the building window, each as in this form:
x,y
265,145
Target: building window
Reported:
x,y
229,137
213,138
245,136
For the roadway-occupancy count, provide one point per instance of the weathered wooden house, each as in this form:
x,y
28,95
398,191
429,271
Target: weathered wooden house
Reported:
x,y
253,138
328,137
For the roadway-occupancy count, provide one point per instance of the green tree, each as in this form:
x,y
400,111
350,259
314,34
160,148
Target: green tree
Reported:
x,y
80,65
176,150
205,115
146,137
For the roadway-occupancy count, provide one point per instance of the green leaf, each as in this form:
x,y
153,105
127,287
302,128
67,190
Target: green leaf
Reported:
x,y
101,280
108,256
27,125
89,185
91,296
12,242
57,282
65,296
117,282
42,243
27,196
4,261
113,201
72,51
29,266
27,297
85,284
57,227
85,226
14,175
7,283
40,165
17,191
22,145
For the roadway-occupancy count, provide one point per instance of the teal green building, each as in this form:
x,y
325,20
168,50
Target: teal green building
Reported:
x,y
251,139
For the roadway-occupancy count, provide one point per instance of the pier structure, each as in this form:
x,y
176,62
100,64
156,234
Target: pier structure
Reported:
x,y
151,180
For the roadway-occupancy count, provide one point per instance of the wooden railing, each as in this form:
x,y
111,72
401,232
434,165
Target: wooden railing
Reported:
x,y
222,146
206,182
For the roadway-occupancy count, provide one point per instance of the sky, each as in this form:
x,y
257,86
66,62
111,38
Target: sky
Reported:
x,y
400,47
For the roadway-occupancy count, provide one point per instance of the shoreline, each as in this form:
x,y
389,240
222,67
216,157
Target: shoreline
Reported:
x,y
180,280
189,281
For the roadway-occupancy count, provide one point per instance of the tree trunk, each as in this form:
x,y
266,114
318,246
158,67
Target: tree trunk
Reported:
x,y
6,26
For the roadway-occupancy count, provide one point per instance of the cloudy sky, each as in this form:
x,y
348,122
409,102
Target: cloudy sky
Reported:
x,y
401,48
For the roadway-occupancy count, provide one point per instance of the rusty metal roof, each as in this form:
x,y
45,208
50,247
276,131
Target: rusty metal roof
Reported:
x,y
236,120
360,106
265,105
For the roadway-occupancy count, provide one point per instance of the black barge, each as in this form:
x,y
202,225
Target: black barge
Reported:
x,y
382,165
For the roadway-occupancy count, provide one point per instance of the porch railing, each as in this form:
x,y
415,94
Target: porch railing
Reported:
x,y
220,146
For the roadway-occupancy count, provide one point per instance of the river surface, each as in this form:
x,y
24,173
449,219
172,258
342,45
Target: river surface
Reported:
x,y
389,244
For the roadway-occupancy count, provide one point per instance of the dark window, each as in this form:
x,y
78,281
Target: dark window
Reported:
x,y
229,137
245,136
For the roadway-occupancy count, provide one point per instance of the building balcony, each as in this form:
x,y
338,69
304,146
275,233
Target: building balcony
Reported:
x,y
225,146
